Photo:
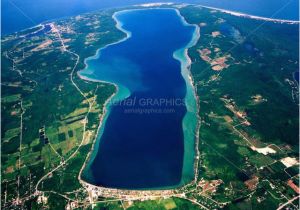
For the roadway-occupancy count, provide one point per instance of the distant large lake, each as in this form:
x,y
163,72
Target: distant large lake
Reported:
x,y
20,14
142,144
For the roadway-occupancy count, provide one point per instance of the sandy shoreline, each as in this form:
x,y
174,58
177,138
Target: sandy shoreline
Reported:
x,y
105,111
244,15
235,13
186,74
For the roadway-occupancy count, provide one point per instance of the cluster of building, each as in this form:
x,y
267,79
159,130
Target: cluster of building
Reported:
x,y
43,138
96,192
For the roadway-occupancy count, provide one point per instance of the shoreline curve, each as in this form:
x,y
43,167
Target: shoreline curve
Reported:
x,y
185,72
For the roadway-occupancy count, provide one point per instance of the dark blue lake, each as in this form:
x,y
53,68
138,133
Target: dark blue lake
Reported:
x,y
142,142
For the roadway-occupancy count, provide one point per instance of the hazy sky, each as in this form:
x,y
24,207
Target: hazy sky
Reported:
x,y
20,14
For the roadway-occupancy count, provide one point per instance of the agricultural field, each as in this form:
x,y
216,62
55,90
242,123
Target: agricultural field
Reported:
x,y
48,112
244,73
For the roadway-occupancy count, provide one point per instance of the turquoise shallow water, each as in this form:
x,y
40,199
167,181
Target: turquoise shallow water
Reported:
x,y
147,140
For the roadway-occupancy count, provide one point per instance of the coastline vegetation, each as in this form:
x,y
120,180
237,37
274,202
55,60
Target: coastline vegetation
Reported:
x,y
38,84
248,103
248,110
